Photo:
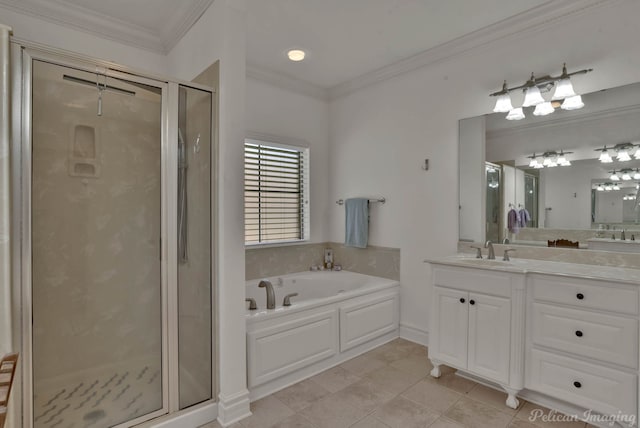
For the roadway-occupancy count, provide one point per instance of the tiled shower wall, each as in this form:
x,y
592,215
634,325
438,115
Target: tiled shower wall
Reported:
x,y
270,261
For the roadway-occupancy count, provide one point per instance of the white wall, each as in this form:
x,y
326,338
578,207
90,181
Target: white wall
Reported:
x,y
38,31
282,113
220,35
381,134
567,191
472,210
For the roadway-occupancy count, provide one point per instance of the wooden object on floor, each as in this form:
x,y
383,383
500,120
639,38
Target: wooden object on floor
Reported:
x,y
7,374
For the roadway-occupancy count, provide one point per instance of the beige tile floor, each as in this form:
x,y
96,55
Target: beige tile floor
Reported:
x,y
390,387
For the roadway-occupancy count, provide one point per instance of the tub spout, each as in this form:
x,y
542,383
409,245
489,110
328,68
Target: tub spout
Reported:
x,y
271,296
287,299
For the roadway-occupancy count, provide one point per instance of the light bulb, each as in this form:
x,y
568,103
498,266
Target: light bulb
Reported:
x,y
572,103
623,155
532,97
516,114
614,177
564,89
503,104
626,176
543,109
296,55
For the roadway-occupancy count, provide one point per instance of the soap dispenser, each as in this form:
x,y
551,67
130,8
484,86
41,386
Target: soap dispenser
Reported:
x,y
328,258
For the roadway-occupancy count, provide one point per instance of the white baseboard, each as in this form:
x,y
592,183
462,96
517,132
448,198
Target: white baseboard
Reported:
x,y
232,408
414,334
200,415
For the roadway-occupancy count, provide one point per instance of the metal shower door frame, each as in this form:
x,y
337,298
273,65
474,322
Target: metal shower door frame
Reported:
x,y
21,144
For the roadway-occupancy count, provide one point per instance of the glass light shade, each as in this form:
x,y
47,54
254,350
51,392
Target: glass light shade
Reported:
x,y
565,163
605,157
600,188
623,155
564,89
637,155
552,163
616,187
543,109
572,103
614,177
538,166
532,97
533,163
562,159
503,104
516,114
626,176
608,188
636,176
546,161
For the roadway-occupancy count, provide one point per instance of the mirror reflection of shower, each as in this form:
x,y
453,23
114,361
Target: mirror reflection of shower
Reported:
x,y
493,179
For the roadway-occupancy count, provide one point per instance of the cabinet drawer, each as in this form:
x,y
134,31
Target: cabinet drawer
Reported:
x,y
473,280
586,294
587,385
603,337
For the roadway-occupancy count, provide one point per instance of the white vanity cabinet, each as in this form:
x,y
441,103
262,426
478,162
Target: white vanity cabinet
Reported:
x,y
582,343
473,319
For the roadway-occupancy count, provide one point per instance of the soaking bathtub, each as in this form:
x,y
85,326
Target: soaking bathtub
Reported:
x,y
334,317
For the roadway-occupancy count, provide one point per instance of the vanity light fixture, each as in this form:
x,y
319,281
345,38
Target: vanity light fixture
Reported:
x,y
614,176
622,153
626,174
533,89
600,188
615,187
608,187
550,159
605,157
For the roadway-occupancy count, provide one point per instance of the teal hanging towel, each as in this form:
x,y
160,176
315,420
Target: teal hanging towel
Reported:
x,y
356,222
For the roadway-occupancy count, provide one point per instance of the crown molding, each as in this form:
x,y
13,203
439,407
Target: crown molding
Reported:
x,y
83,19
287,82
554,123
546,15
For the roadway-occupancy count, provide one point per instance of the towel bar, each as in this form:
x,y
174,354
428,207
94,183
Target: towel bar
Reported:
x,y
381,200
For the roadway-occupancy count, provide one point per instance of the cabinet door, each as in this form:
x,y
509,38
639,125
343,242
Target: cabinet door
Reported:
x,y
489,336
448,341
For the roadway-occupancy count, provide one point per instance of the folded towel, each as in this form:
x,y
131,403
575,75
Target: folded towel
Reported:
x,y
356,222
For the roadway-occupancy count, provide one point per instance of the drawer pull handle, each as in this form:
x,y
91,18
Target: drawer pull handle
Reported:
x,y
579,333
577,384
472,302
462,300
580,296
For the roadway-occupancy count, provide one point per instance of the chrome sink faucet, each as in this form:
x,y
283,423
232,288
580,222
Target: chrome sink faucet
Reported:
x,y
271,296
492,254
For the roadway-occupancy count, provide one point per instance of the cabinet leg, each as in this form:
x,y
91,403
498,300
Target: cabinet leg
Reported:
x,y
435,371
512,400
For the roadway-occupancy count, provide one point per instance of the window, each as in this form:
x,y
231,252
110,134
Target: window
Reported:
x,y
276,188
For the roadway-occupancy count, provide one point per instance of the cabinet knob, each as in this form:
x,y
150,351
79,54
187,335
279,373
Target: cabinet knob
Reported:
x,y
462,300
472,302
577,384
580,296
579,333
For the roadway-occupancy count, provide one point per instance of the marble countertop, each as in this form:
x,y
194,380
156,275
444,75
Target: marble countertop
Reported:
x,y
515,265
614,241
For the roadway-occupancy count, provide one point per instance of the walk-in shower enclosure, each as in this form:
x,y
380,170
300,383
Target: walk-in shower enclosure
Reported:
x,y
112,241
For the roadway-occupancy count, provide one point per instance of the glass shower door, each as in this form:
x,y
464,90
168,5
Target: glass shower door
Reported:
x,y
96,224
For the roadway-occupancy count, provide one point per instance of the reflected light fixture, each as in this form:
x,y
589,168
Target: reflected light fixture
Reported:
x,y
614,176
296,55
626,176
605,157
600,188
516,114
615,187
636,175
623,155
533,89
637,154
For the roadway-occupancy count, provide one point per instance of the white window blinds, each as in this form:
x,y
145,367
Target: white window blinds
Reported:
x,y
276,183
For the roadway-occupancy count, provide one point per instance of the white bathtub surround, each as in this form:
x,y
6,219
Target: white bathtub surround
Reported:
x,y
336,316
579,349
280,260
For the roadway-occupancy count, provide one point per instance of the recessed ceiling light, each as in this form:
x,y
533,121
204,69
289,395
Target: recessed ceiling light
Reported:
x,y
296,55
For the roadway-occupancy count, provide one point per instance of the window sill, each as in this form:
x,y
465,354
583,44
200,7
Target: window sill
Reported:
x,y
276,244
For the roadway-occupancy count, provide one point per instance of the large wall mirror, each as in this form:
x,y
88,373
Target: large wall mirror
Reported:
x,y
571,195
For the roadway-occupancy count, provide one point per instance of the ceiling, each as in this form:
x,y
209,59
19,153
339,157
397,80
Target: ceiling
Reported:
x,y
346,41
154,25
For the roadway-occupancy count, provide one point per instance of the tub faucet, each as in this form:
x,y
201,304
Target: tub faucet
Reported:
x,y
492,253
271,296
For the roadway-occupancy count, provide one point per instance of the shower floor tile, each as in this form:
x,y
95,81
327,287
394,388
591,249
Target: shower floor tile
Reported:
x,y
98,399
